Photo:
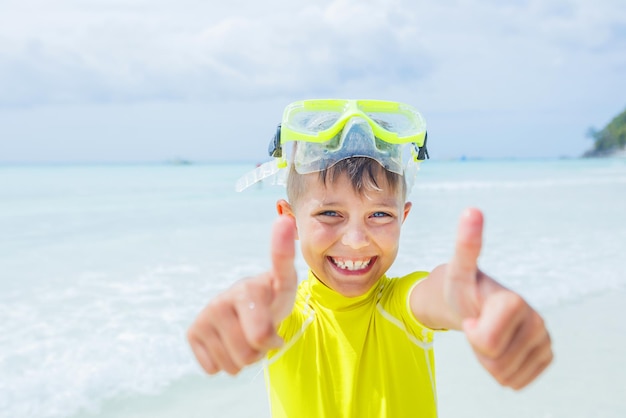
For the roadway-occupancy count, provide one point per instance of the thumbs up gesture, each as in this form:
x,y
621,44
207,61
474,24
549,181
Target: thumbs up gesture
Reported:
x,y
239,326
508,337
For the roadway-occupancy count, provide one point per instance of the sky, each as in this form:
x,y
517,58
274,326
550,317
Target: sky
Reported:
x,y
156,80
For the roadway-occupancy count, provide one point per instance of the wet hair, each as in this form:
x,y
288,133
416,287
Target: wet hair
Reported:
x,y
364,173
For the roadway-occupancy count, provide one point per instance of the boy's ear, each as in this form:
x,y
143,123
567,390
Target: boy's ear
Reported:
x,y
407,209
284,208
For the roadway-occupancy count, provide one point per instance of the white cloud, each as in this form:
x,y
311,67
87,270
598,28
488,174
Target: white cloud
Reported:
x,y
125,50
472,66
126,54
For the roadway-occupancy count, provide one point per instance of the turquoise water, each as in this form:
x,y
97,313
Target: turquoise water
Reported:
x,y
103,267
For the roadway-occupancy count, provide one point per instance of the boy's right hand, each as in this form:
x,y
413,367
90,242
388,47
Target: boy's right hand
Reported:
x,y
239,326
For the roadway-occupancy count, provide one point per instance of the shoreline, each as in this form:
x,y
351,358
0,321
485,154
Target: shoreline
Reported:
x,y
616,153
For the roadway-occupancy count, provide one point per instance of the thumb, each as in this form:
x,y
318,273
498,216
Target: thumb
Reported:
x,y
283,253
461,281
463,267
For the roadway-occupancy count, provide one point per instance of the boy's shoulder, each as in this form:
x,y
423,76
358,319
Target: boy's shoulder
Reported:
x,y
395,302
405,283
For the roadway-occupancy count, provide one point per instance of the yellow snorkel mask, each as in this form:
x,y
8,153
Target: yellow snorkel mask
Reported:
x,y
328,131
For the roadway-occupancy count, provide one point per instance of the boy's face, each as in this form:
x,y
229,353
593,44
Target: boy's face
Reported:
x,y
347,239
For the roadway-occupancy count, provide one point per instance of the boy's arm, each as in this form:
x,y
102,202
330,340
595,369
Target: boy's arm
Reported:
x,y
239,326
508,336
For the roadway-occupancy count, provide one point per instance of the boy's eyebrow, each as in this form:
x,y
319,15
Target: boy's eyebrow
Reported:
x,y
328,203
386,203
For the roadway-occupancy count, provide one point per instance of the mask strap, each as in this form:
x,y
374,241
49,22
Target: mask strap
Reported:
x,y
275,149
422,152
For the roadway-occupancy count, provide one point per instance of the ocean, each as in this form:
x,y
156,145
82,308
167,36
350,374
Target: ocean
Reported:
x,y
104,267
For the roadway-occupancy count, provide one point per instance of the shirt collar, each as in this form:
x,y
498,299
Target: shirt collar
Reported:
x,y
329,298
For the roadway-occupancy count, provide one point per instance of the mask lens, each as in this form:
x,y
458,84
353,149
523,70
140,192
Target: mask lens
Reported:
x,y
311,122
355,140
399,123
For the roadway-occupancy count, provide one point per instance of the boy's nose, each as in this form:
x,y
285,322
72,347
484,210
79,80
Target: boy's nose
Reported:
x,y
355,237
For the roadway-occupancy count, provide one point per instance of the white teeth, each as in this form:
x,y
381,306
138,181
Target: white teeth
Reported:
x,y
351,265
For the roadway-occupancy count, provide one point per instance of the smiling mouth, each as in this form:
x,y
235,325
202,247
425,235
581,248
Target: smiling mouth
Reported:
x,y
350,264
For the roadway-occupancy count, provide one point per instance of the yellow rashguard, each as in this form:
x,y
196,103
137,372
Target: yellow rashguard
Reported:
x,y
359,357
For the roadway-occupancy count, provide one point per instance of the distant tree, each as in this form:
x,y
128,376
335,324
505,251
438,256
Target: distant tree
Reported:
x,y
610,139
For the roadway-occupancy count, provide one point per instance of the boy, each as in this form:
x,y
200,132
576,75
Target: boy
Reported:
x,y
349,341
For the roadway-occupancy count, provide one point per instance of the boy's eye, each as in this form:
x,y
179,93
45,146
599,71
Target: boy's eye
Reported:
x,y
329,213
380,214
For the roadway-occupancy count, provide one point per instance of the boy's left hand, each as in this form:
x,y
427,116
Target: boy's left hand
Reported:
x,y
508,336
